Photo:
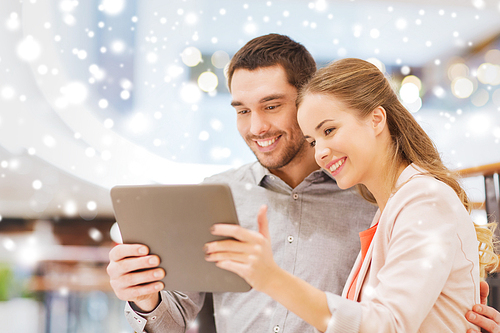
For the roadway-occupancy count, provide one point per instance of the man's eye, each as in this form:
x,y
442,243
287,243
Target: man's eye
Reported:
x,y
243,111
272,107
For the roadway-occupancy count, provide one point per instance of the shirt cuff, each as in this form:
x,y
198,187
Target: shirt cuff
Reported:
x,y
138,320
346,315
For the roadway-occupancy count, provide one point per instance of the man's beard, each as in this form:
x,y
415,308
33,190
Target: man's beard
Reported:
x,y
293,150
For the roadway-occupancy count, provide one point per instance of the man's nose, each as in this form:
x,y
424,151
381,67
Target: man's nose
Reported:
x,y
259,124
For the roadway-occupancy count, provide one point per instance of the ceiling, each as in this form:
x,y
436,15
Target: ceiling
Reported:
x,y
61,161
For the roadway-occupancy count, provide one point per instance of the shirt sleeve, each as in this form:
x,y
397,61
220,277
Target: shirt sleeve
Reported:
x,y
175,313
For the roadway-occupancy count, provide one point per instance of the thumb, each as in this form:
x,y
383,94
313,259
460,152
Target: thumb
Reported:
x,y
484,291
262,221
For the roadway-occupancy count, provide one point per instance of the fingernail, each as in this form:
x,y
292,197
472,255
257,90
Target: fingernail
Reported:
x,y
157,274
477,308
212,229
472,316
143,250
153,261
158,286
205,248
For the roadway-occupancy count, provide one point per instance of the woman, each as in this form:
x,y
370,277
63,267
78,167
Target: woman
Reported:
x,y
419,268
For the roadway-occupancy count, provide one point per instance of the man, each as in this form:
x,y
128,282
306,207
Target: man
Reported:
x,y
314,225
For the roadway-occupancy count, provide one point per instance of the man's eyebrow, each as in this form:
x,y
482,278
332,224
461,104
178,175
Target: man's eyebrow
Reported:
x,y
271,98
321,124
263,100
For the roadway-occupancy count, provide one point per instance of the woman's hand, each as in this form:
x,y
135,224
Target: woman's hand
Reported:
x,y
249,254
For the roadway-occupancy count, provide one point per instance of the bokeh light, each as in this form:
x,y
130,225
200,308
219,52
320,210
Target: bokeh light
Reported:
x,y
495,97
414,80
204,136
112,7
409,93
405,70
379,64
480,97
7,92
118,46
250,28
208,81
458,70
75,92
493,56
488,74
191,56
462,87
29,49
220,59
13,23
401,24
191,18
190,93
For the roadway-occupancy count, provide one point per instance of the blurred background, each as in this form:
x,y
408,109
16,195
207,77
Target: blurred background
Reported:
x,y
98,93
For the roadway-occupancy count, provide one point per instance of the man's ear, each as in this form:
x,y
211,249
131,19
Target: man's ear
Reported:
x,y
378,119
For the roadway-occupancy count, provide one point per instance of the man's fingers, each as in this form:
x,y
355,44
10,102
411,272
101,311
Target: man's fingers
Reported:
x,y
137,284
488,312
122,251
138,292
131,264
138,278
484,290
486,323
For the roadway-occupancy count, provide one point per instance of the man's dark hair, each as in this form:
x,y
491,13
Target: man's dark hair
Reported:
x,y
271,50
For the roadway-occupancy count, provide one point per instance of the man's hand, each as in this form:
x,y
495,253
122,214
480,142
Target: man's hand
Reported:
x,y
482,315
134,275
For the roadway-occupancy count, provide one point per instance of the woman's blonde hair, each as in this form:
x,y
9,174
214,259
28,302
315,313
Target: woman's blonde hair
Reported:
x,y
361,86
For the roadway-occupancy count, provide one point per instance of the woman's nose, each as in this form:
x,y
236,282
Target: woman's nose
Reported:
x,y
321,153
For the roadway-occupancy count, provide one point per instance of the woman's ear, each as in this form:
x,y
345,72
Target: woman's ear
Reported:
x,y
378,119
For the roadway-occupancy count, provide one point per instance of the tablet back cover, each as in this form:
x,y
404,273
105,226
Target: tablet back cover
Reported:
x,y
174,222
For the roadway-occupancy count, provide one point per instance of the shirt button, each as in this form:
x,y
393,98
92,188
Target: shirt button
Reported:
x,y
153,318
295,196
290,239
276,328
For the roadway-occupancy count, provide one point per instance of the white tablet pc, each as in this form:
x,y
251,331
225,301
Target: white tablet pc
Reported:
x,y
174,222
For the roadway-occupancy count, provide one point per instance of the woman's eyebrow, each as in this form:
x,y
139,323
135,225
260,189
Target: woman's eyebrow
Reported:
x,y
321,123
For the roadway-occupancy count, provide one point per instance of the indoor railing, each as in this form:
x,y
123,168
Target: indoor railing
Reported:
x,y
491,205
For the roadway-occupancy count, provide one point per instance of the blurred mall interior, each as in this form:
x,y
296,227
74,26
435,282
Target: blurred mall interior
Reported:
x,y
98,93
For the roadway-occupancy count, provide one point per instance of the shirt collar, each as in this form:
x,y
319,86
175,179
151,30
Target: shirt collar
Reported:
x,y
261,174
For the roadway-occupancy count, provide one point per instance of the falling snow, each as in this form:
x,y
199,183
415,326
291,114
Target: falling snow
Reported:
x,y
142,90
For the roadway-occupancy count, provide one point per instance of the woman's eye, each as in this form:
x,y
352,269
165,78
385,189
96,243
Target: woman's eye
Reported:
x,y
312,143
329,130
